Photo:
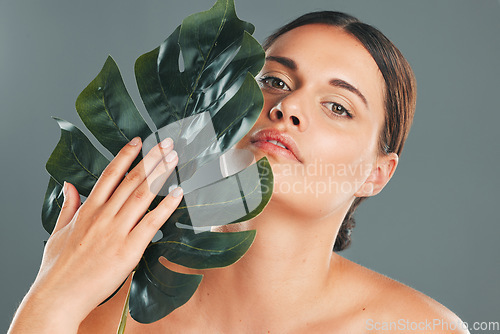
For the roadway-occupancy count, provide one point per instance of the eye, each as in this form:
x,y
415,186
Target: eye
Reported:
x,y
274,82
338,109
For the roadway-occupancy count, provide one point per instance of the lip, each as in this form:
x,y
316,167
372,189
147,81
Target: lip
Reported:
x,y
260,139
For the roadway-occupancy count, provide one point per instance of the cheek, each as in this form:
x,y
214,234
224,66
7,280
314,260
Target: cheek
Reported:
x,y
338,170
345,155
336,167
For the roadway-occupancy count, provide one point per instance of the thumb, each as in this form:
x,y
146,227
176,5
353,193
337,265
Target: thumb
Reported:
x,y
70,206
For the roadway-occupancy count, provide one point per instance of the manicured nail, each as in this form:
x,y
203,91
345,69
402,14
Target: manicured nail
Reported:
x,y
135,141
166,143
177,192
65,189
171,156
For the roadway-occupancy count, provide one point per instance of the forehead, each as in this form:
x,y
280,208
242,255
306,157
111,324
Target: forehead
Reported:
x,y
324,52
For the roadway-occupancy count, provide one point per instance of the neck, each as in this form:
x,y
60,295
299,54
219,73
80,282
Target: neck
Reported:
x,y
287,268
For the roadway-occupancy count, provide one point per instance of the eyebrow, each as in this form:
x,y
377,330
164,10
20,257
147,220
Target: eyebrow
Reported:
x,y
287,62
345,85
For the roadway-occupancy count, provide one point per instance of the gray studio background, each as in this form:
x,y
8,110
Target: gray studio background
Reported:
x,y
436,225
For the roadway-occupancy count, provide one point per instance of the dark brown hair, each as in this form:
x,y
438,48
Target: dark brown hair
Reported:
x,y
400,89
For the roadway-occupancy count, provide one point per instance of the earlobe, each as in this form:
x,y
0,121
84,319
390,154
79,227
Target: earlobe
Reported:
x,y
366,190
381,174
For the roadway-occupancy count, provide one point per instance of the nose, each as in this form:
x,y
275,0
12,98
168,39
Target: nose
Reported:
x,y
291,111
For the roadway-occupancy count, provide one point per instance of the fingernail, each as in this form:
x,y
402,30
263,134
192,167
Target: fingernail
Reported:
x,y
171,156
65,189
166,143
176,192
135,141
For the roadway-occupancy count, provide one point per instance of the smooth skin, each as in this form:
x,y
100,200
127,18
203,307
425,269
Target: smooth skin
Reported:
x,y
290,281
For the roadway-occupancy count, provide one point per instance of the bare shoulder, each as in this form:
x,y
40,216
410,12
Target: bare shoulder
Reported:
x,y
388,306
412,311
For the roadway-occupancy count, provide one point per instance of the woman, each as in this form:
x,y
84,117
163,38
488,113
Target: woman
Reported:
x,y
339,98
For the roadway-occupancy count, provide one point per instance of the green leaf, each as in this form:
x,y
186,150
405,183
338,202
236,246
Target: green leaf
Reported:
x,y
52,204
233,199
217,52
206,106
157,291
75,159
106,109
192,138
205,250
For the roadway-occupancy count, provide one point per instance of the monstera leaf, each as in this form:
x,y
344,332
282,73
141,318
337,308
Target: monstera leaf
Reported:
x,y
198,88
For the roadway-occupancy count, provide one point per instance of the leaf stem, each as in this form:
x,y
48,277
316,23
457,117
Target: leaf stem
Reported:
x,y
123,320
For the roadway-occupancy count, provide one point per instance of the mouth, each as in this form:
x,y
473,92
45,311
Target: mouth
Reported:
x,y
277,143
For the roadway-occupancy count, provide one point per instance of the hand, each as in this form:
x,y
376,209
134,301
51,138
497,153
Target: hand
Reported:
x,y
95,246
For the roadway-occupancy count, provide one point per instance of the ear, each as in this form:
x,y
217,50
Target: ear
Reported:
x,y
381,173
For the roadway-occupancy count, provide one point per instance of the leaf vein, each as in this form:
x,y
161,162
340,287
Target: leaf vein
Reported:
x,y
204,249
78,160
111,118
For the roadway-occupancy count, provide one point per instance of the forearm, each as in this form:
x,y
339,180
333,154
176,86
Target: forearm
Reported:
x,y
41,314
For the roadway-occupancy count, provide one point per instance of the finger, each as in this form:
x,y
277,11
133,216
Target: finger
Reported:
x,y
140,199
146,229
114,172
137,175
70,206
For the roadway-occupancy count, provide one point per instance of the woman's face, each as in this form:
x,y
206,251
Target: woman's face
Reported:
x,y
323,100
